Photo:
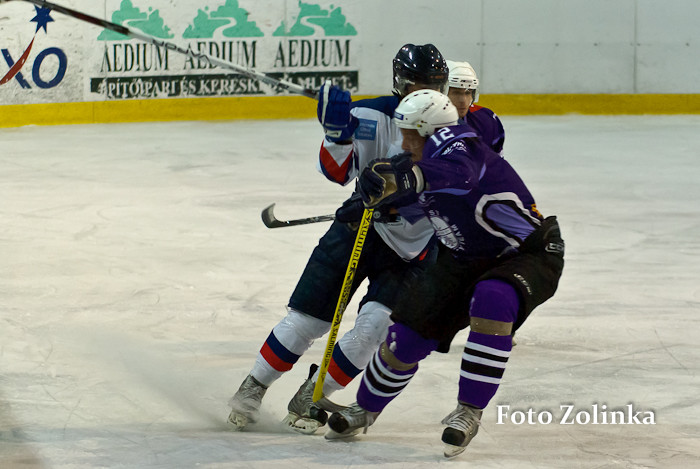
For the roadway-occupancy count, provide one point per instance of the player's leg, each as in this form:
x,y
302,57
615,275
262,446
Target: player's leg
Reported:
x,y
287,341
309,316
501,302
391,369
354,350
388,275
494,309
423,310
386,271
350,356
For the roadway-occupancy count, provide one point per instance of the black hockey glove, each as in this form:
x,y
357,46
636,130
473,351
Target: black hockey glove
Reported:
x,y
352,210
390,181
370,184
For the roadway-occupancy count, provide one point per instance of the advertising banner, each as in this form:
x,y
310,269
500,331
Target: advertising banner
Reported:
x,y
51,57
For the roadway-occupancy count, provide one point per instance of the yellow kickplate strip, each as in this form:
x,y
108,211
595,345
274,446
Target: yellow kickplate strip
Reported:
x,y
299,107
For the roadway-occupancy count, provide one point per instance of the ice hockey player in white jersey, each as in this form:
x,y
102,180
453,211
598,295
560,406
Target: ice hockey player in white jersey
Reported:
x,y
396,248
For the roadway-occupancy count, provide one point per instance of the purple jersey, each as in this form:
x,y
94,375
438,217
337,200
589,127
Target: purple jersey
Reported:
x,y
474,199
487,125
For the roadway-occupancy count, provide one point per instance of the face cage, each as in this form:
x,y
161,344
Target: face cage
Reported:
x,y
401,85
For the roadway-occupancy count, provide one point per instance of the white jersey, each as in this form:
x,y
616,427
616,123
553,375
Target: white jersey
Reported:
x,y
375,137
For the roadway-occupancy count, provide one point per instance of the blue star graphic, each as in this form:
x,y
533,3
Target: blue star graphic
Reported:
x,y
42,18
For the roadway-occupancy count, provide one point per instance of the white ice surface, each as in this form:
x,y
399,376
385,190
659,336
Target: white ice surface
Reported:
x,y
137,284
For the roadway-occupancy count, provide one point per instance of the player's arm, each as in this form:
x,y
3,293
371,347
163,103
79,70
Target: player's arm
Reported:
x,y
456,170
397,181
500,139
337,155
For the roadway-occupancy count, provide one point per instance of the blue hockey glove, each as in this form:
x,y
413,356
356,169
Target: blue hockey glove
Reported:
x,y
390,181
334,113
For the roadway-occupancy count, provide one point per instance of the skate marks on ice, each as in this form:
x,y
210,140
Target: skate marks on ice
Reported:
x,y
15,448
116,400
157,239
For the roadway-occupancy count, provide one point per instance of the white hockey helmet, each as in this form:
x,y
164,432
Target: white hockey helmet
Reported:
x,y
425,111
462,75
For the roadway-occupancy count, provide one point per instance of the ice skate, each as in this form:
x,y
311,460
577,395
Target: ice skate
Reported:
x,y
349,422
462,425
305,416
245,404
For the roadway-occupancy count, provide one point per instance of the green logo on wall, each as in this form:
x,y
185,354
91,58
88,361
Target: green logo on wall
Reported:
x,y
133,18
313,18
205,24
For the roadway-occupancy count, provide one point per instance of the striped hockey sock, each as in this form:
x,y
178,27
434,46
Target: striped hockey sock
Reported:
x,y
277,355
341,368
483,363
381,384
288,341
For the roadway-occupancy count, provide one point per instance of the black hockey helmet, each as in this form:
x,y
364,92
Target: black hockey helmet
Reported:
x,y
419,64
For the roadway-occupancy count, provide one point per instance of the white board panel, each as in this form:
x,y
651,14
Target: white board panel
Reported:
x,y
668,68
548,68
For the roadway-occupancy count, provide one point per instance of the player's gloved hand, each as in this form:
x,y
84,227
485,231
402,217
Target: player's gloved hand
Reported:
x,y
394,181
334,113
370,184
352,210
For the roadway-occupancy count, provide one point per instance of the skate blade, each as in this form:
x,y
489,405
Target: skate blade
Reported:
x,y
452,451
333,435
301,425
237,421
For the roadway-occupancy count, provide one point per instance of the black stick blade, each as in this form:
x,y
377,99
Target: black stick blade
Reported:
x,y
269,219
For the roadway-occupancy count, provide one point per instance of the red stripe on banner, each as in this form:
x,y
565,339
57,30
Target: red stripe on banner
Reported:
x,y
338,375
338,173
275,362
18,65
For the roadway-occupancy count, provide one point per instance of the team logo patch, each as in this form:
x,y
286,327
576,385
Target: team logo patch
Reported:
x,y
367,130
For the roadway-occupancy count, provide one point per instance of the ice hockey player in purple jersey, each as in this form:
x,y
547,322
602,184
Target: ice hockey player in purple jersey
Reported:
x,y
498,260
355,134
464,93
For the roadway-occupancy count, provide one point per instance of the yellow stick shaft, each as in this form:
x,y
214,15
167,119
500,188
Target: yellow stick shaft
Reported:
x,y
343,301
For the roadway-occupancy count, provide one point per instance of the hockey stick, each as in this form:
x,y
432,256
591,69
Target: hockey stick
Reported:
x,y
343,301
268,217
278,85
